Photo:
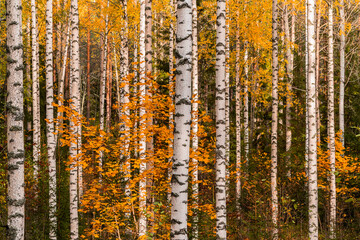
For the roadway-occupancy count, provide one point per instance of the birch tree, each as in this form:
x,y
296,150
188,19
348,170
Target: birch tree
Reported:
x,y
171,83
246,106
35,90
142,141
317,81
274,124
180,168
312,142
149,121
15,122
103,80
227,97
289,70
342,73
195,117
75,125
220,67
125,63
238,121
331,123
51,144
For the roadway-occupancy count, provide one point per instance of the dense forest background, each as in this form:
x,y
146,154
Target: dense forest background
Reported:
x,y
123,116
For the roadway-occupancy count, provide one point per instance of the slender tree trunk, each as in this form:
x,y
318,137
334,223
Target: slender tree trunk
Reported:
x,y
220,102
125,62
318,25
289,70
88,75
331,124
108,90
195,119
15,122
274,125
51,144
117,79
103,82
342,73
142,142
171,89
307,95
227,98
246,106
28,76
149,122
238,121
35,90
75,124
180,168
313,187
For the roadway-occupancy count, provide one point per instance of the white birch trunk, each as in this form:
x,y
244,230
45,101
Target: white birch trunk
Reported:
x,y
171,88
246,107
289,70
75,124
238,122
15,122
307,95
28,76
317,57
117,79
331,123
103,84
149,113
51,144
180,168
313,187
342,73
220,102
227,98
142,141
125,63
274,124
35,90
195,119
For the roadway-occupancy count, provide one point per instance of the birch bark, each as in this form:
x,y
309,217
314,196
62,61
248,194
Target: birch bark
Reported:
x,y
51,144
125,62
312,144
317,57
75,124
171,88
289,70
15,121
149,121
142,141
220,102
246,107
35,89
88,74
180,168
195,118
227,97
342,73
274,124
103,82
238,121
331,123
307,94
